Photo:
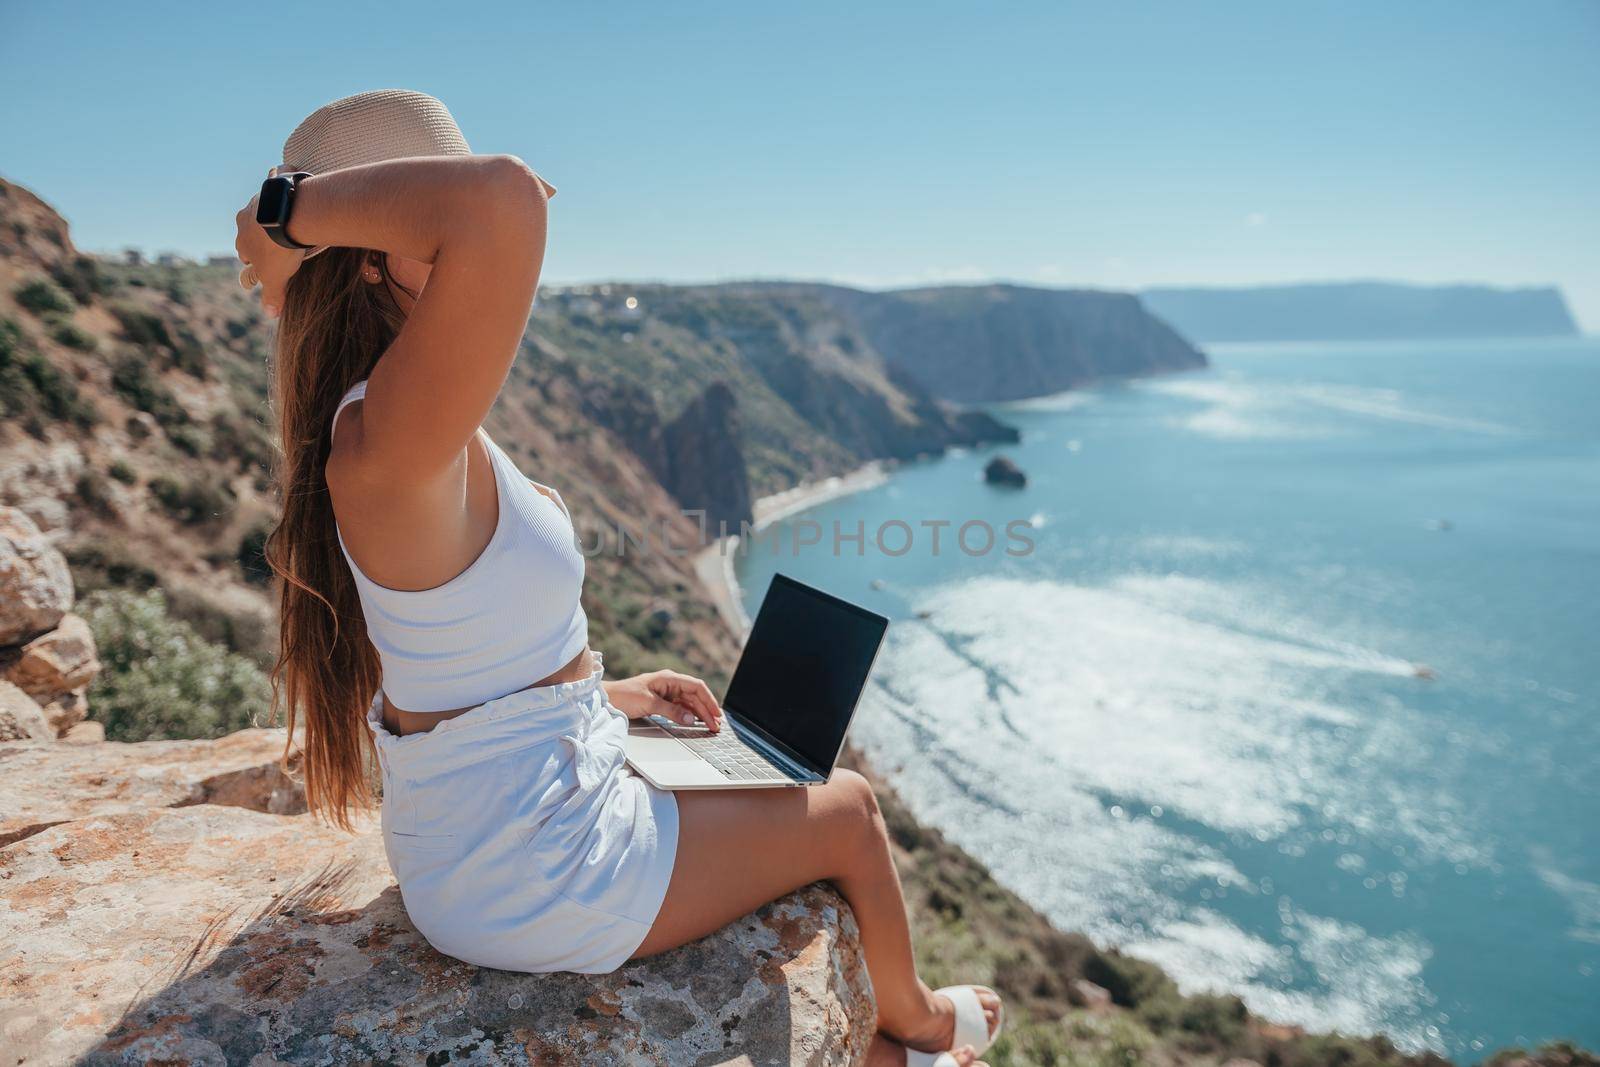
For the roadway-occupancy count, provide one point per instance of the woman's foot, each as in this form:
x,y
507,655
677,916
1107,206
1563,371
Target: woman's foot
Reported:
x,y
884,1052
938,1028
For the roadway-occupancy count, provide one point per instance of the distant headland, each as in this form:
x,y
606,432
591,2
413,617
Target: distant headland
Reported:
x,y
1361,311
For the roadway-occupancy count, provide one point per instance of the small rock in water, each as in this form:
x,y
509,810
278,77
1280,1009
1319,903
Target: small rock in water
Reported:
x,y
1002,471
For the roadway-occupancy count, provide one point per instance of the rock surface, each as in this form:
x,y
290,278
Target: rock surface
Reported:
x,y
706,464
45,784
220,935
981,343
35,586
21,719
1091,996
86,732
55,669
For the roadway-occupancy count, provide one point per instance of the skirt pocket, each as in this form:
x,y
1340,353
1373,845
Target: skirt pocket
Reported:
x,y
420,861
425,842
572,803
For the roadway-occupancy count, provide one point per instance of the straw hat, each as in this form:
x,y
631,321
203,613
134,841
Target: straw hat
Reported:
x,y
367,128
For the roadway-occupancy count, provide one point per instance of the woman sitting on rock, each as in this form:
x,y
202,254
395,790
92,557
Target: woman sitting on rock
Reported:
x,y
430,601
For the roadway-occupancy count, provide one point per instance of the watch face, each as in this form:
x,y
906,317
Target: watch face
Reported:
x,y
274,203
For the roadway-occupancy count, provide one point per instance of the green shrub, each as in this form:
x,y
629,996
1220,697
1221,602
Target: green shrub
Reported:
x,y
253,554
251,633
1130,981
1554,1054
141,327
94,493
1127,1044
83,278
108,564
1205,1021
161,679
190,440
70,335
1079,1040
242,439
122,472
189,355
135,381
192,502
1337,1050
33,390
42,296
150,331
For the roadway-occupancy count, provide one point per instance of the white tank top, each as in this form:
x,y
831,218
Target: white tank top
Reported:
x,y
508,620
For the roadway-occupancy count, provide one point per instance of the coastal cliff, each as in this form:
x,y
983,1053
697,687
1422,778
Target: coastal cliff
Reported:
x,y
981,343
813,397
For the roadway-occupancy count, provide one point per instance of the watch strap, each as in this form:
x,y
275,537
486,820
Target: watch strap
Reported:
x,y
277,228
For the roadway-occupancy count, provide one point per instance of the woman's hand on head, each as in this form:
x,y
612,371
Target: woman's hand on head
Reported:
x,y
273,263
674,696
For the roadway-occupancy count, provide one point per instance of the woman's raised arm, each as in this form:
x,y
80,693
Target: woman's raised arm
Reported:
x,y
480,222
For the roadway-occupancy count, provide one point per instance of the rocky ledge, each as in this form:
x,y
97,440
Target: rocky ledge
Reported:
x,y
47,656
158,902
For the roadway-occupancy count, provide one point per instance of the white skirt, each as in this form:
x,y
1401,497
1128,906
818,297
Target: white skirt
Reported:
x,y
520,838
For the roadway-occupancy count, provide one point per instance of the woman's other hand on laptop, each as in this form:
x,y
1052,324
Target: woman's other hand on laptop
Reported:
x,y
677,697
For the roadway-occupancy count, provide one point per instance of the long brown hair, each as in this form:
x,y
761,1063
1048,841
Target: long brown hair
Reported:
x,y
332,331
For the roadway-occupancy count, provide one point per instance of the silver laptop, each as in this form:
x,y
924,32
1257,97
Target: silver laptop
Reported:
x,y
788,707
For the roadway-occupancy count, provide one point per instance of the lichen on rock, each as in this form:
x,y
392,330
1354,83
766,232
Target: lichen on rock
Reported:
x,y
135,931
21,719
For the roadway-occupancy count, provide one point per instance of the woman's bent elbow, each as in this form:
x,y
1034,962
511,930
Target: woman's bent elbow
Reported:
x,y
515,189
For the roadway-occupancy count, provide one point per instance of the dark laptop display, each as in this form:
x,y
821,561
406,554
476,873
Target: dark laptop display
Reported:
x,y
804,668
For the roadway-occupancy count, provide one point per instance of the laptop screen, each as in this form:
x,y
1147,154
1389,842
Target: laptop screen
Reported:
x,y
804,668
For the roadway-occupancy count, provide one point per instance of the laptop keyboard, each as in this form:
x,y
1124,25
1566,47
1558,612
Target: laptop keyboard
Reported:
x,y
728,753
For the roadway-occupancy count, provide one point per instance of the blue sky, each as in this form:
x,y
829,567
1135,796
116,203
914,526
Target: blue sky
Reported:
x,y
1112,145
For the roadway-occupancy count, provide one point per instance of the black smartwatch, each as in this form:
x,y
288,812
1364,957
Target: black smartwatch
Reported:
x,y
275,205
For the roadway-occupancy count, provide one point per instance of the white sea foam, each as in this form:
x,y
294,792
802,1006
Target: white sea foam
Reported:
x,y
1388,404
1187,547
1236,409
1367,982
1581,896
1066,401
1040,723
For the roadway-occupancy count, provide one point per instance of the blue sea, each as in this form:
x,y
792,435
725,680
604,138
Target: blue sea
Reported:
x,y
1296,691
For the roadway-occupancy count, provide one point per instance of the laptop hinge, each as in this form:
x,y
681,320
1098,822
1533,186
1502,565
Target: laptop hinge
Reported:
x,y
775,752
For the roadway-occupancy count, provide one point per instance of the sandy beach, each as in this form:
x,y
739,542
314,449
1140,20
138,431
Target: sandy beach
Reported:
x,y
714,564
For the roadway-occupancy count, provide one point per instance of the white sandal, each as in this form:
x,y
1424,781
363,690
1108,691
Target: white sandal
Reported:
x,y
972,1028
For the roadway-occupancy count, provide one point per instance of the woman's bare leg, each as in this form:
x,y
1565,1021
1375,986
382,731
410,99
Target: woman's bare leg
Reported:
x,y
739,849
